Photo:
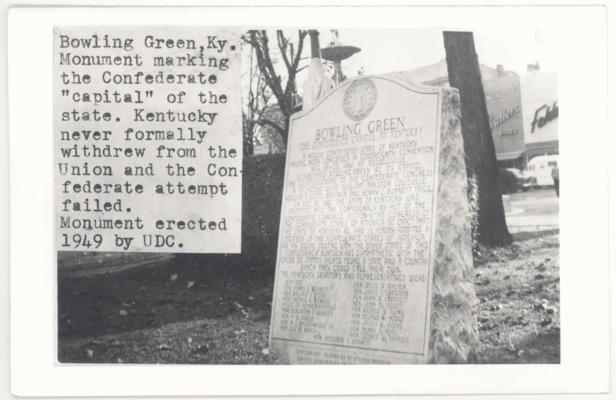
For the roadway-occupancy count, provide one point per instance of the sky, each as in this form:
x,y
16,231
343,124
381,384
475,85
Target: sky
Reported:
x,y
396,50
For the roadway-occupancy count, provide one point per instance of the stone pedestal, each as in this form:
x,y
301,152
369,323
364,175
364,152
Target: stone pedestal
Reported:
x,y
453,324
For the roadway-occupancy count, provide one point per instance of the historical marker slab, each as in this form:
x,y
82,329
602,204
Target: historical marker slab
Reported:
x,y
359,221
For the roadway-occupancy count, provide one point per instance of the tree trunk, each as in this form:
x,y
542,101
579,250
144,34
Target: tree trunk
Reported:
x,y
464,74
247,130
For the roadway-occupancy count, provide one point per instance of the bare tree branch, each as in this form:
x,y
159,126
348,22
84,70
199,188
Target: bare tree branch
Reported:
x,y
267,82
273,124
282,45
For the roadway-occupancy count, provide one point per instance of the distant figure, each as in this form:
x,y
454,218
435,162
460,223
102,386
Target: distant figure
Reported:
x,y
556,180
317,84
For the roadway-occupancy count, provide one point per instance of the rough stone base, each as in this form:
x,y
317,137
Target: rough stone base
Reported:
x,y
453,323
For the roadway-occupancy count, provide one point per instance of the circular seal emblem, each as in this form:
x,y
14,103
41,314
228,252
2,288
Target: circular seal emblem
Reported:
x,y
359,99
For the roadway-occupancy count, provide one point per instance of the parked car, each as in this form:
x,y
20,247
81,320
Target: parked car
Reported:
x,y
541,167
511,180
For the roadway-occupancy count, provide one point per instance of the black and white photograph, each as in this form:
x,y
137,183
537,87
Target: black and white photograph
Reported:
x,y
309,199
306,196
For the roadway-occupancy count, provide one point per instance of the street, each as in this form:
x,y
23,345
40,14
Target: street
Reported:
x,y
535,210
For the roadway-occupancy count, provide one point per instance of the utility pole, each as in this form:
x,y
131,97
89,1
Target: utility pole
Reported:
x,y
480,156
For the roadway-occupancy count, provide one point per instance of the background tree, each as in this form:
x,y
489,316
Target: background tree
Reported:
x,y
255,103
269,80
247,135
480,155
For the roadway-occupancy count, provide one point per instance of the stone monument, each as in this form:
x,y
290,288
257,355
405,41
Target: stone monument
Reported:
x,y
374,262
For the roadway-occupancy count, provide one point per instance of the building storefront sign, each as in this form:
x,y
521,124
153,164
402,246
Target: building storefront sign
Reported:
x,y
503,102
543,115
540,110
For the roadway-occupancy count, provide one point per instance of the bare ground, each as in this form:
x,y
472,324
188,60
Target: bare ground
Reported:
x,y
518,288
167,310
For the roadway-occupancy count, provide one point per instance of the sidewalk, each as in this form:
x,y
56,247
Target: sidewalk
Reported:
x,y
533,211
521,223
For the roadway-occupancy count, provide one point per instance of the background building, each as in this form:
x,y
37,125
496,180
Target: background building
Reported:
x,y
523,110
